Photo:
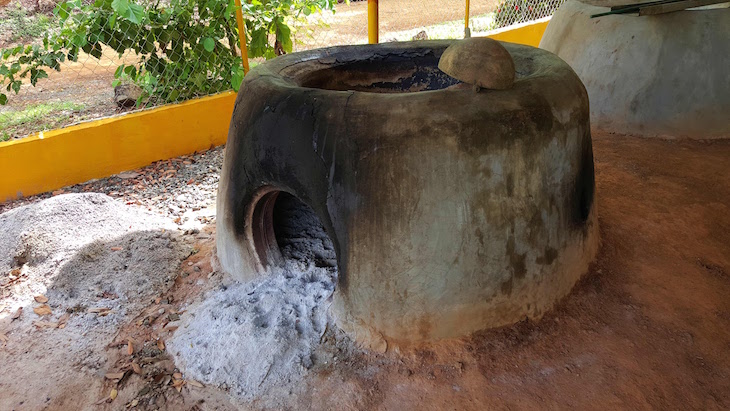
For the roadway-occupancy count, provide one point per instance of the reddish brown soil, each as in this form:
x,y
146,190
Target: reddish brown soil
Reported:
x,y
647,328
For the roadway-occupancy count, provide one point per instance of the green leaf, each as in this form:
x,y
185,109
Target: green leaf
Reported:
x,y
96,51
3,99
120,7
236,80
16,86
230,8
78,40
135,14
259,43
62,10
73,54
283,34
164,37
148,44
35,75
199,79
209,44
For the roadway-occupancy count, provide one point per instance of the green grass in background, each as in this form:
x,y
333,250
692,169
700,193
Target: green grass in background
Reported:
x,y
23,26
36,117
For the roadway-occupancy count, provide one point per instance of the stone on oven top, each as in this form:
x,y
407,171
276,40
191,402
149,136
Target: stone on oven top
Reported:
x,y
480,61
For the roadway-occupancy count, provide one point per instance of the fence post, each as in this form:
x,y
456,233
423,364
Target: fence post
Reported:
x,y
373,21
242,36
467,32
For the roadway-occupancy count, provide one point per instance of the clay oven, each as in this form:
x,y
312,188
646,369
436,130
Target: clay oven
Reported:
x,y
450,209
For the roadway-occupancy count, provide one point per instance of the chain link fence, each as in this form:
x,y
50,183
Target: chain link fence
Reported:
x,y
109,57
512,12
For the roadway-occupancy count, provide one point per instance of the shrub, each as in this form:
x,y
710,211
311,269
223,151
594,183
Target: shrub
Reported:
x,y
18,24
186,48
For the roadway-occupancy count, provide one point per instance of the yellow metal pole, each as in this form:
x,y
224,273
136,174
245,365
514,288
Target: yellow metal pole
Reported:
x,y
373,21
467,32
242,36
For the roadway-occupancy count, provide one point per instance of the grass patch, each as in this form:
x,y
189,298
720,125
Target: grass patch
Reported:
x,y
37,117
18,24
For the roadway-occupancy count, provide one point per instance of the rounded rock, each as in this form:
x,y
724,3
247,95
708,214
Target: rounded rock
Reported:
x,y
480,61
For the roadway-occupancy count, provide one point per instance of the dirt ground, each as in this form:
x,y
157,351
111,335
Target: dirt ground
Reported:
x,y
349,24
647,328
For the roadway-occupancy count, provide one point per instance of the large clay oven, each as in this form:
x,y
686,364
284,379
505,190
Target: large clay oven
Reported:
x,y
451,208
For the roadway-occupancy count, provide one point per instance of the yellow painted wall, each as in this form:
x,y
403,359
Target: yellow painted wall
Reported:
x,y
96,149
75,154
527,33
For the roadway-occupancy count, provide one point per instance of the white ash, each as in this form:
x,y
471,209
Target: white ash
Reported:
x,y
252,337
82,251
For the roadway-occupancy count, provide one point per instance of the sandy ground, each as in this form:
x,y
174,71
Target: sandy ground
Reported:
x,y
349,25
76,268
647,328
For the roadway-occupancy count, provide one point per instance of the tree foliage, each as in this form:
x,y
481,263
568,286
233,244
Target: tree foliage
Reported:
x,y
186,48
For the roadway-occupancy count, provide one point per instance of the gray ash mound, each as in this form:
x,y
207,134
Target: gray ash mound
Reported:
x,y
252,337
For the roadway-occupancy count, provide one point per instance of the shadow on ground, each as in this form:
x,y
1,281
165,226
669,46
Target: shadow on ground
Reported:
x,y
94,287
